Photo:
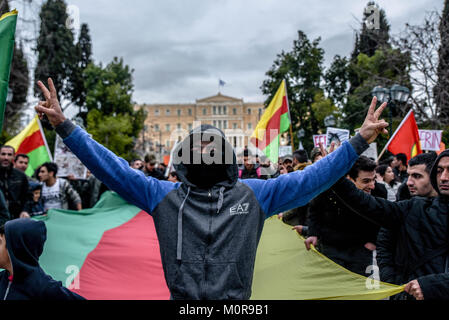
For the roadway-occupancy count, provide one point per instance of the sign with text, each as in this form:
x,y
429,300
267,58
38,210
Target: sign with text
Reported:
x,y
317,138
430,139
285,150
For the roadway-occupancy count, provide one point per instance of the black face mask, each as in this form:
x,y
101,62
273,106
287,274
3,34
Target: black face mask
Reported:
x,y
206,175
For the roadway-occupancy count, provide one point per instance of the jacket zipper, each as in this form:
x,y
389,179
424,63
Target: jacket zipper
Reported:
x,y
204,293
7,290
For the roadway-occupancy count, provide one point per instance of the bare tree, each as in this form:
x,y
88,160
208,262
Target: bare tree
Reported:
x,y
422,42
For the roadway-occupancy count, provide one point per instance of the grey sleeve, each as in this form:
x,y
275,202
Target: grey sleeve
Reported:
x,y
65,128
359,144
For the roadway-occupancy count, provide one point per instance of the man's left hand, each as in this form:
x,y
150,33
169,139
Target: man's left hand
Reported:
x,y
413,288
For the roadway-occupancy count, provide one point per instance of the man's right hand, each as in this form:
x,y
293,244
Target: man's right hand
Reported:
x,y
51,105
310,240
372,126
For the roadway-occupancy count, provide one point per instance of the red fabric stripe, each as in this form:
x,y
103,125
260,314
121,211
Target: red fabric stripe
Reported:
x,y
31,142
273,124
125,265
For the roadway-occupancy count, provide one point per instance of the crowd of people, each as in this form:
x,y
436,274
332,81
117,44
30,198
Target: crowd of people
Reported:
x,y
209,215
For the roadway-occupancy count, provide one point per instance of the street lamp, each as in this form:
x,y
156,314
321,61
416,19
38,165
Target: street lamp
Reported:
x,y
9,95
301,134
329,121
395,94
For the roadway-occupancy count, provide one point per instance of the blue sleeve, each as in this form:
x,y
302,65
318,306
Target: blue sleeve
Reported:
x,y
297,188
115,172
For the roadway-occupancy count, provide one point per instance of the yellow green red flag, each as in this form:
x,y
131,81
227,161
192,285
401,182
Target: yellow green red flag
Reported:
x,y
7,32
31,141
285,270
274,122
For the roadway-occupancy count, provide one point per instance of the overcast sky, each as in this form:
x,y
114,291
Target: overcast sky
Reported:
x,y
180,49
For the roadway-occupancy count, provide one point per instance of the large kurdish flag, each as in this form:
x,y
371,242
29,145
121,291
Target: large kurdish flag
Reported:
x,y
111,251
274,122
108,252
7,31
31,141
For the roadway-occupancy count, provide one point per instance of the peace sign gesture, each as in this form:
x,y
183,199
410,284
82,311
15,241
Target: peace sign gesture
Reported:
x,y
372,126
51,105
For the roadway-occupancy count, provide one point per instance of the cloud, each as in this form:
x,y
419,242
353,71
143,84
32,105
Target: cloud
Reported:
x,y
179,49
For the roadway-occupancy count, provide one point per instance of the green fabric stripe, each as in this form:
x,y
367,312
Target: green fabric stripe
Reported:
x,y
7,30
272,150
67,229
37,157
285,123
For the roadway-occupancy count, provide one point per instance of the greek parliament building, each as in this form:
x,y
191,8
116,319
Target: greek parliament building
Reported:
x,y
167,123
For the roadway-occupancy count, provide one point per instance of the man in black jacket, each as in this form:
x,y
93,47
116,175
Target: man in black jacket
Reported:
x,y
389,250
342,235
421,228
13,182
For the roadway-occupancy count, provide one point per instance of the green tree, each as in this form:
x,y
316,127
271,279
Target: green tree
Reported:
x,y
368,40
55,48
302,70
18,82
336,80
83,50
111,117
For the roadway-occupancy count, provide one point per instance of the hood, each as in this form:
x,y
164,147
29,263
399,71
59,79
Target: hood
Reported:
x,y
25,240
205,132
433,172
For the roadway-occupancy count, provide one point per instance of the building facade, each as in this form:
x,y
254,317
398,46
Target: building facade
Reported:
x,y
167,123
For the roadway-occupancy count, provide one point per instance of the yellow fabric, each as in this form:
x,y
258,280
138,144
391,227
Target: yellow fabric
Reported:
x,y
274,105
31,128
7,14
285,270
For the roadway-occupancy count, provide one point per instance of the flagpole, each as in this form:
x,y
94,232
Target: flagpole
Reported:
x,y
394,134
43,137
289,116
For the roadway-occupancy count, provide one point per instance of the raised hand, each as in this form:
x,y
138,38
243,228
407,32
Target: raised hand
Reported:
x,y
51,105
372,126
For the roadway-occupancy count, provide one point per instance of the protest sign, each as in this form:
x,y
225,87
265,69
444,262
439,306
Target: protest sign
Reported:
x,y
430,139
317,138
285,150
68,163
336,135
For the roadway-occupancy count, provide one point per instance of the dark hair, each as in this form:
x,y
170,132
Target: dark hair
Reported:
x,y
174,174
301,156
363,163
424,158
21,155
51,167
314,153
381,169
402,157
150,158
10,147
2,230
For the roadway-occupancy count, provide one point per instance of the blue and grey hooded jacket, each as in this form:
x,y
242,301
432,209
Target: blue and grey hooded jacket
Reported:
x,y
208,238
25,240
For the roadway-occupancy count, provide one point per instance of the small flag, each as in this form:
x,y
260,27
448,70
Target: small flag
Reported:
x,y
7,31
31,141
406,138
221,83
275,121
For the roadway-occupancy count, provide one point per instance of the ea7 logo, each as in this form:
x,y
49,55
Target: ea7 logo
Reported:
x,y
239,209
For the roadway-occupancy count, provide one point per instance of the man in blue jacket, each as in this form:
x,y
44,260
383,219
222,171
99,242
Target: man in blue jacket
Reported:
x,y
209,225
